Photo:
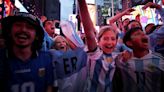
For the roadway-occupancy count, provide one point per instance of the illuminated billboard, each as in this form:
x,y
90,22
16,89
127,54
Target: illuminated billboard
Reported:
x,y
92,12
146,16
90,1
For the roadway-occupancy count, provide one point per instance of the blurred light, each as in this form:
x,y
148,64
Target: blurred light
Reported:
x,y
20,6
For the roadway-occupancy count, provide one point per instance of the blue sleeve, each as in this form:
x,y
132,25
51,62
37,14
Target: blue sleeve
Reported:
x,y
161,12
121,35
47,42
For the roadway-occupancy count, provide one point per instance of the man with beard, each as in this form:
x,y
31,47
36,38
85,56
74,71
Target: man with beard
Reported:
x,y
144,71
24,67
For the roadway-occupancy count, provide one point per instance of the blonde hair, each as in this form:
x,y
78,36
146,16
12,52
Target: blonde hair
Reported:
x,y
59,36
105,29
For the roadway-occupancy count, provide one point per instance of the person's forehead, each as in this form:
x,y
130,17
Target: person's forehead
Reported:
x,y
150,25
137,31
60,39
126,20
49,22
108,34
24,22
134,22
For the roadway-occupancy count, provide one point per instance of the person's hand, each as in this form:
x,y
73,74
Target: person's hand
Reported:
x,y
43,18
151,5
128,11
126,55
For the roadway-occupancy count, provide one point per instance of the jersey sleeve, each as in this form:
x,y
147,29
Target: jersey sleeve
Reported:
x,y
161,12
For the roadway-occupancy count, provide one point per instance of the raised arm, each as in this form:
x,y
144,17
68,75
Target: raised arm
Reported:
x,y
152,5
119,15
157,7
88,25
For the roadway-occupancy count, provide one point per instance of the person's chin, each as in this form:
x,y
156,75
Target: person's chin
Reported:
x,y
109,51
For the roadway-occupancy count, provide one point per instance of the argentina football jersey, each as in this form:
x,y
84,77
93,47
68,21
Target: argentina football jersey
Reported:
x,y
102,69
34,75
71,69
145,74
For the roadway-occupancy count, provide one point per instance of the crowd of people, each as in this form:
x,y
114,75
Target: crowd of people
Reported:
x,y
122,57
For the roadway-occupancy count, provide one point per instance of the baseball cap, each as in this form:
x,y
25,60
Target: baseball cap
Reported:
x,y
7,23
21,16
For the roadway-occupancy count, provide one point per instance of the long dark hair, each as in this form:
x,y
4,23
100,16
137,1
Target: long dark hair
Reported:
x,y
37,44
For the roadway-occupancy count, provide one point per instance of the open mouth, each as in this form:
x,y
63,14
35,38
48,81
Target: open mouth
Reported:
x,y
109,47
61,47
144,40
22,36
52,28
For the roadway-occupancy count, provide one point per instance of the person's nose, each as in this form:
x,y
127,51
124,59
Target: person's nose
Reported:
x,y
23,28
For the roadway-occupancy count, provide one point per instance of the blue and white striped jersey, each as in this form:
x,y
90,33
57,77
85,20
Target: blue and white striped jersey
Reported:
x,y
102,69
144,74
71,70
